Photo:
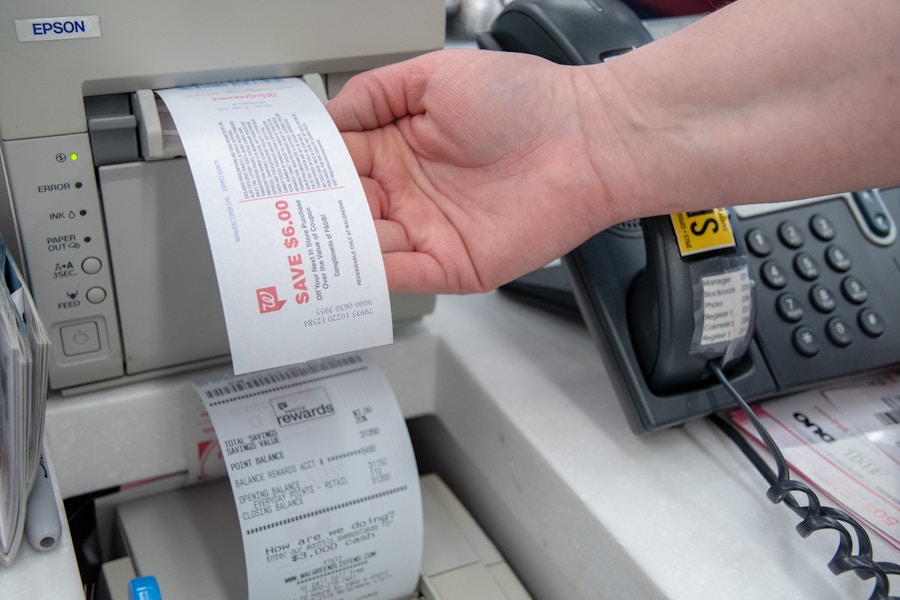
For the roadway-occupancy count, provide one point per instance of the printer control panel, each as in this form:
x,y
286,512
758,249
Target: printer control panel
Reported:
x,y
55,193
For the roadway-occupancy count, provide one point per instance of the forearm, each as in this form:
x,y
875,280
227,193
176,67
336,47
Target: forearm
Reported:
x,y
761,101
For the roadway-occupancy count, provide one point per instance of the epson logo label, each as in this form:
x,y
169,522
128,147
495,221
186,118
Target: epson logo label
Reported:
x,y
45,29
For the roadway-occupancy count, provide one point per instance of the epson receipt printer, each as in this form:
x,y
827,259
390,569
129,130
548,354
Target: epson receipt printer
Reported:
x,y
102,210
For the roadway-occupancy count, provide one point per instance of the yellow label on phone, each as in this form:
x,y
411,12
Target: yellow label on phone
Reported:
x,y
703,231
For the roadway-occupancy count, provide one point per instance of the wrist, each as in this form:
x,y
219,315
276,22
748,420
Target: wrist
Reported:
x,y
616,133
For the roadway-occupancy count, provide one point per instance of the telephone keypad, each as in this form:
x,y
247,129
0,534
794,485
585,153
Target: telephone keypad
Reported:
x,y
790,235
822,227
806,267
838,259
822,299
825,294
805,341
871,322
759,242
854,290
838,332
789,308
773,275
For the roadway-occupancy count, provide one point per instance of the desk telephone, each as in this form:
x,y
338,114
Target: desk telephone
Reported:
x,y
825,271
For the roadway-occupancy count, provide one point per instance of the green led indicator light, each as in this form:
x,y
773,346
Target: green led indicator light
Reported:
x,y
73,156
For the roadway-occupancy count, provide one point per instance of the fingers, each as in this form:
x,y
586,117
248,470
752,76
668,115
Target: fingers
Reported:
x,y
414,272
407,270
392,237
375,196
359,145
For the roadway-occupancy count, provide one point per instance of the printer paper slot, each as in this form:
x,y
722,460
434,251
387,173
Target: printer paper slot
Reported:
x,y
157,133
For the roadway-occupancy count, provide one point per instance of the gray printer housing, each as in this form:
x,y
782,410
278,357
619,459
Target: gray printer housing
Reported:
x,y
101,208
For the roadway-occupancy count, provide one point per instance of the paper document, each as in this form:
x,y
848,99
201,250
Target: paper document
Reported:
x,y
15,357
324,479
297,260
845,442
24,348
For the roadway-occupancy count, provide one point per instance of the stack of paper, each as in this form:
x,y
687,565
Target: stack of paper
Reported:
x,y
24,348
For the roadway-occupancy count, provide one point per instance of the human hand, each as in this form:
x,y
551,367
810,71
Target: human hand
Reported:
x,y
480,166
475,164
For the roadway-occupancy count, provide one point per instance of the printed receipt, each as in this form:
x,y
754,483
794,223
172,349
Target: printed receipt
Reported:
x,y
297,259
324,479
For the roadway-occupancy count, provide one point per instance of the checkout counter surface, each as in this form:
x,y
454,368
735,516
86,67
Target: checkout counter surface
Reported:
x,y
536,445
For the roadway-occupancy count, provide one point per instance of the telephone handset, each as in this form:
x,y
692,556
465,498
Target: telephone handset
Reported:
x,y
569,32
823,272
693,301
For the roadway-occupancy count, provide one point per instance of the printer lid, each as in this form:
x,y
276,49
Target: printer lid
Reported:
x,y
58,51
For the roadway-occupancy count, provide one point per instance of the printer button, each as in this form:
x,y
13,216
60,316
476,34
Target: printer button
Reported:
x,y
82,338
96,295
91,265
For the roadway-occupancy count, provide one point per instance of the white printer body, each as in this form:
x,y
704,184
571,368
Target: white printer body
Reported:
x,y
102,210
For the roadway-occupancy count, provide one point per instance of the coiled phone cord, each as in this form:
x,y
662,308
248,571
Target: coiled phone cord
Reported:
x,y
815,517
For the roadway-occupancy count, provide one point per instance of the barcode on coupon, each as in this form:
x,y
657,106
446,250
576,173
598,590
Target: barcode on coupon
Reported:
x,y
282,375
889,417
892,416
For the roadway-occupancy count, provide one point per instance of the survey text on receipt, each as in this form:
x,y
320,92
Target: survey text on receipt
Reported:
x,y
324,480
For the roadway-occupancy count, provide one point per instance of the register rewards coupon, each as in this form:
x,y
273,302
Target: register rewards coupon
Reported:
x,y
297,259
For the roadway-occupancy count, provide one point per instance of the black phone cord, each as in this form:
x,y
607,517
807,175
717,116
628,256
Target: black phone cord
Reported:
x,y
815,516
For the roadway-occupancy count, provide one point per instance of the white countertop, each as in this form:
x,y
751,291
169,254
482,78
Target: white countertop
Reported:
x,y
580,505
676,514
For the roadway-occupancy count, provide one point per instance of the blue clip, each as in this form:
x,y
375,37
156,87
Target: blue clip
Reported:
x,y
144,588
